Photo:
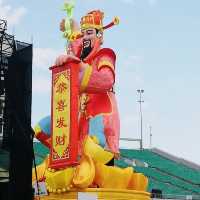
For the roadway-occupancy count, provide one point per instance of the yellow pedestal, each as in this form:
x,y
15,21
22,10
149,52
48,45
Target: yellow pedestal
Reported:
x,y
102,194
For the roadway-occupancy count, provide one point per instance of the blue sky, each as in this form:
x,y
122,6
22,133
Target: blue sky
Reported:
x,y
157,45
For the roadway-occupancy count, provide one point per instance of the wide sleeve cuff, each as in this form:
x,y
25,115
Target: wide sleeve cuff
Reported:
x,y
37,130
106,63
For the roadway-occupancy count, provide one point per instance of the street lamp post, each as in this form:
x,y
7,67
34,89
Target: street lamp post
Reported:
x,y
140,91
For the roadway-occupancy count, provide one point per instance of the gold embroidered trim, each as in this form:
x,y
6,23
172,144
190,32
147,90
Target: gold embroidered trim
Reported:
x,y
86,78
105,63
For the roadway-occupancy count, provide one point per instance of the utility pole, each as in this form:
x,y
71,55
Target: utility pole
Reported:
x,y
141,91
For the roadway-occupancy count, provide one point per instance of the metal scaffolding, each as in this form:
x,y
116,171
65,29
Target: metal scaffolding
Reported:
x,y
7,47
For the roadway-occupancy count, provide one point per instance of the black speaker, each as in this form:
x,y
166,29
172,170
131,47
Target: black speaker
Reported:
x,y
156,193
4,191
18,90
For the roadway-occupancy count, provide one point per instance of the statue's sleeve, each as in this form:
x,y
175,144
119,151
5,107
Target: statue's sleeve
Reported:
x,y
100,75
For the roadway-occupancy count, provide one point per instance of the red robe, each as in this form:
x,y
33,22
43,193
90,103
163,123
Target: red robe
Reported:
x,y
96,86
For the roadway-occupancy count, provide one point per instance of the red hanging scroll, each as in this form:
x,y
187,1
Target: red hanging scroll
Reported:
x,y
64,116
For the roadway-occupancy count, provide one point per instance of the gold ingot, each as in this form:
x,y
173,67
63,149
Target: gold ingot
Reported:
x,y
59,191
138,182
59,179
97,153
112,177
84,173
54,191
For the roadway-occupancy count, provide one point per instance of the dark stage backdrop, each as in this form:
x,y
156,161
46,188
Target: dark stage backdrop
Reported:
x,y
18,85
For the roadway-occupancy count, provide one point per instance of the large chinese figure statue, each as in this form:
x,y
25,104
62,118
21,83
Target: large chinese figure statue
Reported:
x,y
98,109
98,119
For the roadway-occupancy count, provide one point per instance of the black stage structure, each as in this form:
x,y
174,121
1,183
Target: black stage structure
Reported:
x,y
16,134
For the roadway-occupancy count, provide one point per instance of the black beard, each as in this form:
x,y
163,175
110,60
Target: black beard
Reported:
x,y
85,52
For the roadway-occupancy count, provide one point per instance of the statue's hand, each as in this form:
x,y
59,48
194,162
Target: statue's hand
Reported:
x,y
62,25
117,156
74,25
66,58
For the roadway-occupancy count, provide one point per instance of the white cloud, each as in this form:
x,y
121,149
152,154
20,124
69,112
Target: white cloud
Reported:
x,y
12,15
41,84
129,58
131,71
43,58
129,124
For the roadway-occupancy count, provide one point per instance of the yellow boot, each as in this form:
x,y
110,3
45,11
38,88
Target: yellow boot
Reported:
x,y
97,153
84,173
112,177
138,182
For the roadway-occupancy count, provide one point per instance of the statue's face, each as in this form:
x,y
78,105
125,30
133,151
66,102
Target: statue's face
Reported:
x,y
89,38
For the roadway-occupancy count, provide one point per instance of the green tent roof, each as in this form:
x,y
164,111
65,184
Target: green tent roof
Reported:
x,y
173,178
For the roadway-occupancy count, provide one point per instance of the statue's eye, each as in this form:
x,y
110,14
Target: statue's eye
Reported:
x,y
90,32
